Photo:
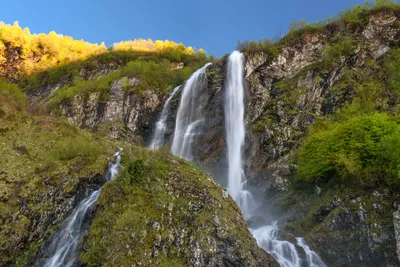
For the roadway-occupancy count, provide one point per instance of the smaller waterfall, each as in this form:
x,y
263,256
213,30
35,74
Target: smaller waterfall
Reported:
x,y
189,116
235,132
283,251
63,250
312,258
161,126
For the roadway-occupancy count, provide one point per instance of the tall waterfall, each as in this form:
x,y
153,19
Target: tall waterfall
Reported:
x,y
235,131
63,249
161,126
189,116
267,236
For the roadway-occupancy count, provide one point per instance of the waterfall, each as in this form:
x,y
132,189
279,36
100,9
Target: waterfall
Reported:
x,y
64,248
283,251
189,116
267,236
235,131
312,258
161,126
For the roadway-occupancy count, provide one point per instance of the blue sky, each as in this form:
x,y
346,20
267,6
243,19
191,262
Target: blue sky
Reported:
x,y
214,25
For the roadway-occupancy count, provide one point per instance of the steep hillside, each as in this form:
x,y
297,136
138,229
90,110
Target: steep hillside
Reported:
x,y
162,207
47,167
161,211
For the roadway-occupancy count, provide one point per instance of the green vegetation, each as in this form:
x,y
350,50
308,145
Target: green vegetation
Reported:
x,y
359,144
355,150
40,155
158,76
350,20
12,99
336,50
164,206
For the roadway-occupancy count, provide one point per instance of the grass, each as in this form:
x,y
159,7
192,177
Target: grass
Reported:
x,y
44,160
157,188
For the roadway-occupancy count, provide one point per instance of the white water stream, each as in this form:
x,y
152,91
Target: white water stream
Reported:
x,y
267,236
235,132
64,248
189,116
188,122
161,126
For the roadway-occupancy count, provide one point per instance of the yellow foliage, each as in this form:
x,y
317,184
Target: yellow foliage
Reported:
x,y
43,51
153,46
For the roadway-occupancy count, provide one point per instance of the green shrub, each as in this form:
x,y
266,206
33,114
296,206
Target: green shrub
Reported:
x,y
12,94
354,151
335,51
79,146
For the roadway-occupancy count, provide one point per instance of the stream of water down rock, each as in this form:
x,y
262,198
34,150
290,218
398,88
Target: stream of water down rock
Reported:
x,y
63,250
187,126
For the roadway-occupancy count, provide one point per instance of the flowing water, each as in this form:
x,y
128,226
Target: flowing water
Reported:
x,y
189,116
283,251
161,126
188,122
235,132
267,236
64,248
312,258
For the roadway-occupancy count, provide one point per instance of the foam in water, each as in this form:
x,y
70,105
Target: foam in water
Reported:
x,y
312,258
161,126
283,251
189,116
235,132
63,250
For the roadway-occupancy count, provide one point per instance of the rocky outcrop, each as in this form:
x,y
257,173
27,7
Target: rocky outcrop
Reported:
x,y
347,227
396,224
162,211
122,114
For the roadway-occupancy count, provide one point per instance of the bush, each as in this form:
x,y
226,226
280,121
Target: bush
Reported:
x,y
79,146
12,94
43,51
335,51
355,151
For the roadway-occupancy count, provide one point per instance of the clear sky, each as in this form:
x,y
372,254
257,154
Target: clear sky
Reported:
x,y
214,25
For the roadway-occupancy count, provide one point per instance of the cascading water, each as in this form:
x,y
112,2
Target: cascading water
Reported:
x,y
235,132
63,249
161,126
267,237
188,121
189,116
312,258
283,251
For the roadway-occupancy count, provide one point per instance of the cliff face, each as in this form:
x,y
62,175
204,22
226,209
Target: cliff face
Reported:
x,y
123,114
286,94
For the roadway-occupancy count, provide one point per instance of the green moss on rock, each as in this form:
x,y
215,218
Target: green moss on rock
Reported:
x,y
162,211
